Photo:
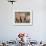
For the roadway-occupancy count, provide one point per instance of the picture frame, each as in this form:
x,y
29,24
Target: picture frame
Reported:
x,y
22,17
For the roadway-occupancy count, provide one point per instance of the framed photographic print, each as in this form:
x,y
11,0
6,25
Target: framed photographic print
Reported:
x,y
23,17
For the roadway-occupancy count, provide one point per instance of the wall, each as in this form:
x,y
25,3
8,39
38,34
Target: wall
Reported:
x,y
9,31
